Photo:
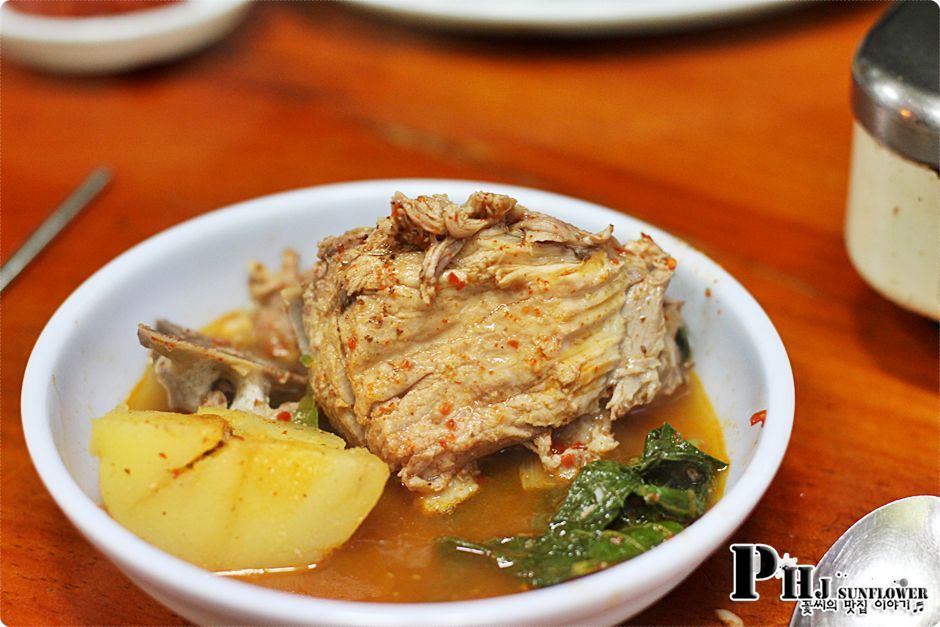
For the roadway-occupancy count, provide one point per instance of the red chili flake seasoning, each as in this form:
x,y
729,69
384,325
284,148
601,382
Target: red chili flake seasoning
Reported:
x,y
567,460
450,424
446,408
708,292
351,343
759,417
284,416
513,343
670,263
456,281
405,364
162,455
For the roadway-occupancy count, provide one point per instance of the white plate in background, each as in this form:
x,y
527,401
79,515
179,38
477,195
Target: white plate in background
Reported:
x,y
570,17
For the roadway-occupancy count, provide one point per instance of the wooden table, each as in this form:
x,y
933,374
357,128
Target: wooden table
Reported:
x,y
736,139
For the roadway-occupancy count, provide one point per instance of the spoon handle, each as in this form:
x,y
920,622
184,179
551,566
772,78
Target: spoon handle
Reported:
x,y
52,225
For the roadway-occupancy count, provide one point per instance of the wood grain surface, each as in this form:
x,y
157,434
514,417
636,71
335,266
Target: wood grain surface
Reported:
x,y
735,139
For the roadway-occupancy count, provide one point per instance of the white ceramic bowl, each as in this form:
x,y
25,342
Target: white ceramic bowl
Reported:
x,y
87,359
114,43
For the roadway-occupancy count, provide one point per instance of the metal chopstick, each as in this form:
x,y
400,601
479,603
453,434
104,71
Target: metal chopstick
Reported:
x,y
52,225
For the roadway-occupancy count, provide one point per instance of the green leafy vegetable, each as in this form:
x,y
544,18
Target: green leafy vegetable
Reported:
x,y
307,412
680,475
596,495
682,341
612,512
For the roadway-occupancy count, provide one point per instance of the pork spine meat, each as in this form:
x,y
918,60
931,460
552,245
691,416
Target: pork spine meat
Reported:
x,y
448,332
196,370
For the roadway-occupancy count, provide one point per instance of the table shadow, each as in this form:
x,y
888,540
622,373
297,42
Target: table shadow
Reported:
x,y
913,340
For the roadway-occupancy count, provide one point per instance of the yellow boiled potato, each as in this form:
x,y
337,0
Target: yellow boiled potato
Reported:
x,y
246,424
232,493
189,516
301,502
139,450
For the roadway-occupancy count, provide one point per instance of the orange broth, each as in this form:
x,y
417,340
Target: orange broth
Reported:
x,y
392,557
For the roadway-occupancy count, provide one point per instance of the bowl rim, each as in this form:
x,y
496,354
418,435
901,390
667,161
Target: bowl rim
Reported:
x,y
156,21
587,594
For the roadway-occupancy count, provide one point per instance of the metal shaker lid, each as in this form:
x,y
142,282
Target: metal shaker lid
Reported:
x,y
896,81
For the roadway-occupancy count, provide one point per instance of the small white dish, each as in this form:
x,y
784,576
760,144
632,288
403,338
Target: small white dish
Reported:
x,y
569,17
87,360
119,42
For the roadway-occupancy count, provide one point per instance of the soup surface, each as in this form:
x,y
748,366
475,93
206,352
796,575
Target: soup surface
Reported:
x,y
393,556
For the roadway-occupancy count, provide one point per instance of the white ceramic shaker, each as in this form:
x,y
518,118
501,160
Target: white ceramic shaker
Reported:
x,y
892,227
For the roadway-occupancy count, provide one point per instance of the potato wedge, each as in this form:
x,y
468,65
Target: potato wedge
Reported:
x,y
233,491
246,424
138,450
